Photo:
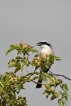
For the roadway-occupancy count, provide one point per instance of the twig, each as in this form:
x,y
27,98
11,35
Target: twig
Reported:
x,y
51,74
35,82
60,75
29,74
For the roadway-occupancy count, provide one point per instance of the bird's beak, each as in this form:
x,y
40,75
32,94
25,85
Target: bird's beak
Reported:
x,y
39,44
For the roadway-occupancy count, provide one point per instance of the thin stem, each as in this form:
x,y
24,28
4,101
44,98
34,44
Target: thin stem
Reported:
x,y
60,75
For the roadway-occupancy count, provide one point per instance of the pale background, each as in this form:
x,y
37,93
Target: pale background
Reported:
x,y
31,21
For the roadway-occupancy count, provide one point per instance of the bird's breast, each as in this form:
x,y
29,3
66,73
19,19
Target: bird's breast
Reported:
x,y
45,52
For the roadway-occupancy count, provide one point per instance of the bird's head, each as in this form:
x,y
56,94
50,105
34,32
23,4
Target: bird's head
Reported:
x,y
44,44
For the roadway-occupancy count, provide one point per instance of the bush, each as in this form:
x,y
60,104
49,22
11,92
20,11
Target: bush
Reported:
x,y
11,84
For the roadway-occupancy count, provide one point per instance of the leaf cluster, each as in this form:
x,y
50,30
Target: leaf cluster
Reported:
x,y
11,84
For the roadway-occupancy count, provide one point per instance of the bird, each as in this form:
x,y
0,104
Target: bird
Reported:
x,y
46,49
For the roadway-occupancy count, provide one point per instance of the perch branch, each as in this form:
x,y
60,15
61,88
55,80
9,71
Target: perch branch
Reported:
x,y
60,75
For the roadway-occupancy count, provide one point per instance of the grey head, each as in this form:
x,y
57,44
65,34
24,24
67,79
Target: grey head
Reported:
x,y
44,42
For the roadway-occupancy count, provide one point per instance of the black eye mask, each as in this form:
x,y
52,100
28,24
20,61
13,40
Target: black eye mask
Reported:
x,y
44,43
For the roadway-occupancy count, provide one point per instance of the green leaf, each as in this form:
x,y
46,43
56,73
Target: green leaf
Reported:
x,y
57,58
14,65
9,50
47,96
49,76
17,69
33,50
24,98
11,65
19,51
65,96
12,47
1,89
36,55
36,67
64,102
47,93
18,57
60,103
57,82
11,93
19,87
53,97
43,77
65,86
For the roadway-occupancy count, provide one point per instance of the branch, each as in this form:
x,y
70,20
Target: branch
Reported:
x,y
60,75
31,75
51,74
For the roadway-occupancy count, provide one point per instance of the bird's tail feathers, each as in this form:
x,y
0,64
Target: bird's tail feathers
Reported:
x,y
46,70
39,85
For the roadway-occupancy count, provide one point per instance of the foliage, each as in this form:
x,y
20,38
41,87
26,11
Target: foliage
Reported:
x,y
11,84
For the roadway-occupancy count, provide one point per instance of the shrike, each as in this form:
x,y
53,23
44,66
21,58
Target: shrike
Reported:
x,y
46,49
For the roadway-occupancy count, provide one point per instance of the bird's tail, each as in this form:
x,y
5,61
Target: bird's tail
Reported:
x,y
39,85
